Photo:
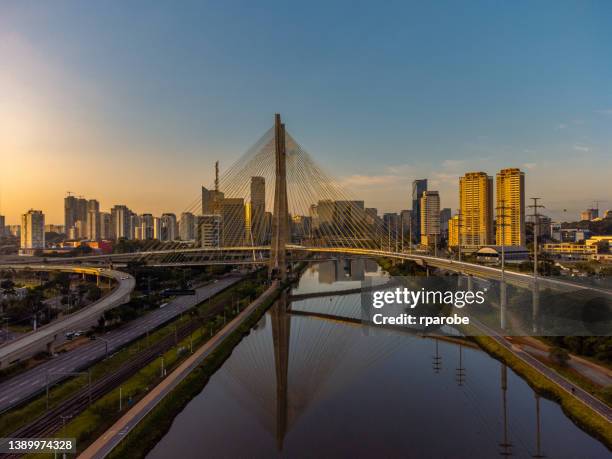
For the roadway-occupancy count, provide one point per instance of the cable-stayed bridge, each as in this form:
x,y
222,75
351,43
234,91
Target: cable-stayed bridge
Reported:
x,y
275,205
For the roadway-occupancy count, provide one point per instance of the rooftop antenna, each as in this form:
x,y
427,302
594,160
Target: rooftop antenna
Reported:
x,y
216,176
69,193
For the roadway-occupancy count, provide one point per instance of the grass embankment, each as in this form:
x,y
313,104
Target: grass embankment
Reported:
x,y
27,412
578,412
157,423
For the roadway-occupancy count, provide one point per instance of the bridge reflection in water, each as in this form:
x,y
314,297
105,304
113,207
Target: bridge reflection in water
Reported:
x,y
304,383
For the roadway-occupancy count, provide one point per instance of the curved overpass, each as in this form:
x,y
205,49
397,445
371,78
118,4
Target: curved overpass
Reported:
x,y
48,336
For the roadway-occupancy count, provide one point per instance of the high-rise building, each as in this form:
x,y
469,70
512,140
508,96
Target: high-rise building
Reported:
x,y
418,187
187,227
373,221
405,222
169,228
453,231
476,208
93,225
430,218
349,218
146,227
233,222
105,226
211,201
510,207
157,228
257,210
2,226
391,228
121,222
323,216
70,212
32,231
208,231
445,216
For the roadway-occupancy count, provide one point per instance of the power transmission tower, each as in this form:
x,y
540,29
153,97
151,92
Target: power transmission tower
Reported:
x,y
536,223
436,360
460,371
501,223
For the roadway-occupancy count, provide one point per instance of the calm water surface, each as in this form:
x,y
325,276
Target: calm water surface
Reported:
x,y
309,383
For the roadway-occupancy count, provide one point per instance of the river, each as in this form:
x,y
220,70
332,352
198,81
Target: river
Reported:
x,y
312,384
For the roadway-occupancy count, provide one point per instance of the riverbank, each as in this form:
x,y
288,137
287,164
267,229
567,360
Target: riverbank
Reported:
x,y
145,435
583,416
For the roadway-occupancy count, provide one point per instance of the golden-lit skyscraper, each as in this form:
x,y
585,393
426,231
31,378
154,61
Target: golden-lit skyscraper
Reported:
x,y
476,208
510,207
430,218
453,231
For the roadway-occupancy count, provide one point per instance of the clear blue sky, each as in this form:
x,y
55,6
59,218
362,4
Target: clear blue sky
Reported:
x,y
131,102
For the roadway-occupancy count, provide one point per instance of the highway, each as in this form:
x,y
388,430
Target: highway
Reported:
x,y
589,400
111,438
30,343
31,382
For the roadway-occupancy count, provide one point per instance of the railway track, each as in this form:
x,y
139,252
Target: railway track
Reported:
x,y
50,422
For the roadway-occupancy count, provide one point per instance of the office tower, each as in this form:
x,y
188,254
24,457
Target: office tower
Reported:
x,y
257,210
430,218
418,187
232,222
208,230
405,220
70,212
211,201
510,207
476,204
187,227
121,222
168,227
32,230
2,226
445,216
453,231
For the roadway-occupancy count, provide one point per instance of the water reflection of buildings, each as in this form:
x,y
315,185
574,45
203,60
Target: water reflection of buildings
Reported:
x,y
345,269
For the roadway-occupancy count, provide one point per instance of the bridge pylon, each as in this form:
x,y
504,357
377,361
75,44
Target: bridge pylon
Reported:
x,y
280,215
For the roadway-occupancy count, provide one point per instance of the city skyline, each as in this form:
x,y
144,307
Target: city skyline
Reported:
x,y
143,124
